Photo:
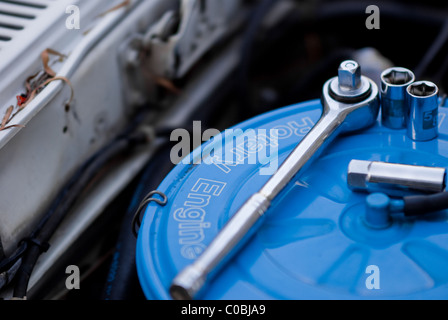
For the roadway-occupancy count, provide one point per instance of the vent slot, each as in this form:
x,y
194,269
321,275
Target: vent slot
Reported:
x,y
17,15
25,4
10,26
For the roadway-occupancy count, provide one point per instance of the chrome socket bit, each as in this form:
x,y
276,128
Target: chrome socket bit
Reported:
x,y
382,176
423,111
394,82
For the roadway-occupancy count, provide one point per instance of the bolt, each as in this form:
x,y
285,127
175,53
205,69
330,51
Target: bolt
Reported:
x,y
350,86
349,75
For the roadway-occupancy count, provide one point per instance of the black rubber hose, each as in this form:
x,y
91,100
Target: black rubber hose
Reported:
x,y
424,204
7,262
248,42
38,243
74,180
7,276
122,281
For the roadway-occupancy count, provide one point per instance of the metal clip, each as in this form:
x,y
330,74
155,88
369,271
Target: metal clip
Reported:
x,y
147,200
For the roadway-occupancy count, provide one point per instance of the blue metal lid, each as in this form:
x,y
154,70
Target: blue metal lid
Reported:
x,y
312,244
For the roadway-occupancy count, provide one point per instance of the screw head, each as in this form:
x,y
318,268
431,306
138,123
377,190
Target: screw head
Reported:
x,y
349,75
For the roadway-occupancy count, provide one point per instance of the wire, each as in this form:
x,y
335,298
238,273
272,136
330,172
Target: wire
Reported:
x,y
53,220
38,241
424,204
7,263
247,47
8,275
80,171
122,280
136,221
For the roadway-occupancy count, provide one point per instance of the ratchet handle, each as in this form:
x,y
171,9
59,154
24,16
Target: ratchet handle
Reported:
x,y
191,280
240,227
337,116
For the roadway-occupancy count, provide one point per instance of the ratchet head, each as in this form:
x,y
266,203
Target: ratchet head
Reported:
x,y
351,97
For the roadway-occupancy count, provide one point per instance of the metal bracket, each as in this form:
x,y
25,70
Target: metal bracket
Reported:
x,y
201,23
136,221
181,37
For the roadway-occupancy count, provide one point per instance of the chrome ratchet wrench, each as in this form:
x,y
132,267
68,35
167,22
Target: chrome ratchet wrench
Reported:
x,y
350,102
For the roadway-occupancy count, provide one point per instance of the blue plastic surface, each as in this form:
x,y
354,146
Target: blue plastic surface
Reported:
x,y
377,213
313,243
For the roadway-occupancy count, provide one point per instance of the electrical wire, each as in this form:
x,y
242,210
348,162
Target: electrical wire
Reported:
x,y
7,276
122,280
249,37
39,242
424,204
32,247
7,263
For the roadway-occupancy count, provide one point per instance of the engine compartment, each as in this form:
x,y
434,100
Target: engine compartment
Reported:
x,y
139,70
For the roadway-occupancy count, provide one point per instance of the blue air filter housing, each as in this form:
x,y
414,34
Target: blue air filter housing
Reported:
x,y
312,243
